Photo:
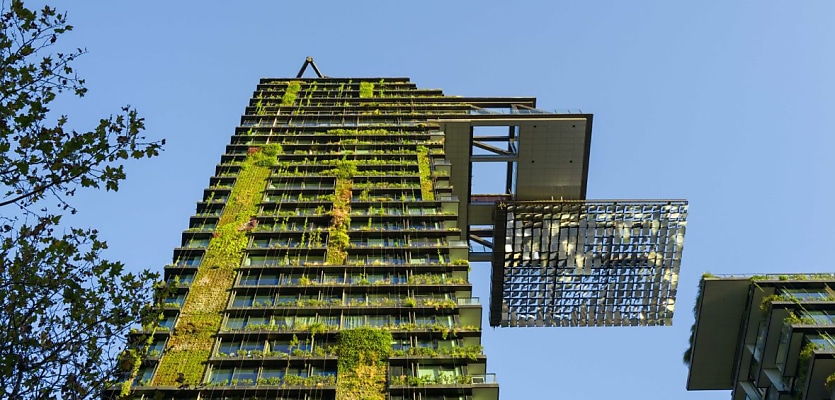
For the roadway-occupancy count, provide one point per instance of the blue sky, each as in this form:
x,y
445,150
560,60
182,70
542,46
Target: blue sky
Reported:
x,y
726,104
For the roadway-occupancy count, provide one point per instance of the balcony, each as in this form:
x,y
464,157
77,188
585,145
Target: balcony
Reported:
x,y
716,330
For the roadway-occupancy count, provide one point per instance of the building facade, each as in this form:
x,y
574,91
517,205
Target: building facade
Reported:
x,y
325,259
769,337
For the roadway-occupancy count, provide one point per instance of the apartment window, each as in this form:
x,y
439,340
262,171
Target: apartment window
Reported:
x,y
254,278
824,342
156,347
820,317
440,373
235,323
183,279
242,300
238,348
234,376
175,300
333,278
197,243
447,321
192,261
401,344
271,376
317,371
143,377
287,300
203,226
807,294
168,322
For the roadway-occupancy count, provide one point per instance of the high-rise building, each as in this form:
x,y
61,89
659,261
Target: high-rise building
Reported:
x,y
766,337
329,256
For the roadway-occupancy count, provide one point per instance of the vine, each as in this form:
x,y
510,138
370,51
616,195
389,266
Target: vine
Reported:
x,y
361,368
338,239
190,344
803,367
290,93
366,89
426,189
130,360
347,132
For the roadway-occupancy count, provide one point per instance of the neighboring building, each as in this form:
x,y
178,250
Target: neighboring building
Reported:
x,y
329,256
764,337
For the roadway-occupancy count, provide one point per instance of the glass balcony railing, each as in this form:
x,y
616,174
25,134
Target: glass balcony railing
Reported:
x,y
467,301
484,379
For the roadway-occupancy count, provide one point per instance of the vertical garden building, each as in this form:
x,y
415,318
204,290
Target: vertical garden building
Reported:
x,y
329,256
325,259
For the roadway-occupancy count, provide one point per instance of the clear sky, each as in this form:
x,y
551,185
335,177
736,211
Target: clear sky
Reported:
x,y
725,103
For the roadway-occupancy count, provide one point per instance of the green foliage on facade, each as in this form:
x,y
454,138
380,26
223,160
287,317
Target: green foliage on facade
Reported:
x,y
191,342
366,89
289,96
343,169
469,352
364,345
358,132
803,367
361,370
338,239
427,190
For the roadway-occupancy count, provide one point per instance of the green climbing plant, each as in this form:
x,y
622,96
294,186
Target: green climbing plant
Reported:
x,y
361,368
366,89
290,93
427,190
338,239
191,341
803,367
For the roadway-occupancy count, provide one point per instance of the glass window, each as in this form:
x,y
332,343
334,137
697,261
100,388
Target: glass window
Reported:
x,y
235,323
178,300
271,376
192,261
280,346
245,376
249,279
242,300
287,300
378,320
228,348
284,321
401,344
221,376
352,321
330,321
322,371
820,317
156,347
330,277
168,322
824,342
263,300
143,377
268,279
807,294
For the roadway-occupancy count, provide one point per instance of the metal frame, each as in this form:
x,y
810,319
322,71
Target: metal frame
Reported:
x,y
586,263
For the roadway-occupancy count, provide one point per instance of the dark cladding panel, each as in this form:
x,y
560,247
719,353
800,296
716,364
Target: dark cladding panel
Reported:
x,y
587,263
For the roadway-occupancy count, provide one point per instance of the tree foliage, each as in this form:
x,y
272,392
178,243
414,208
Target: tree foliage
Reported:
x,y
64,309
